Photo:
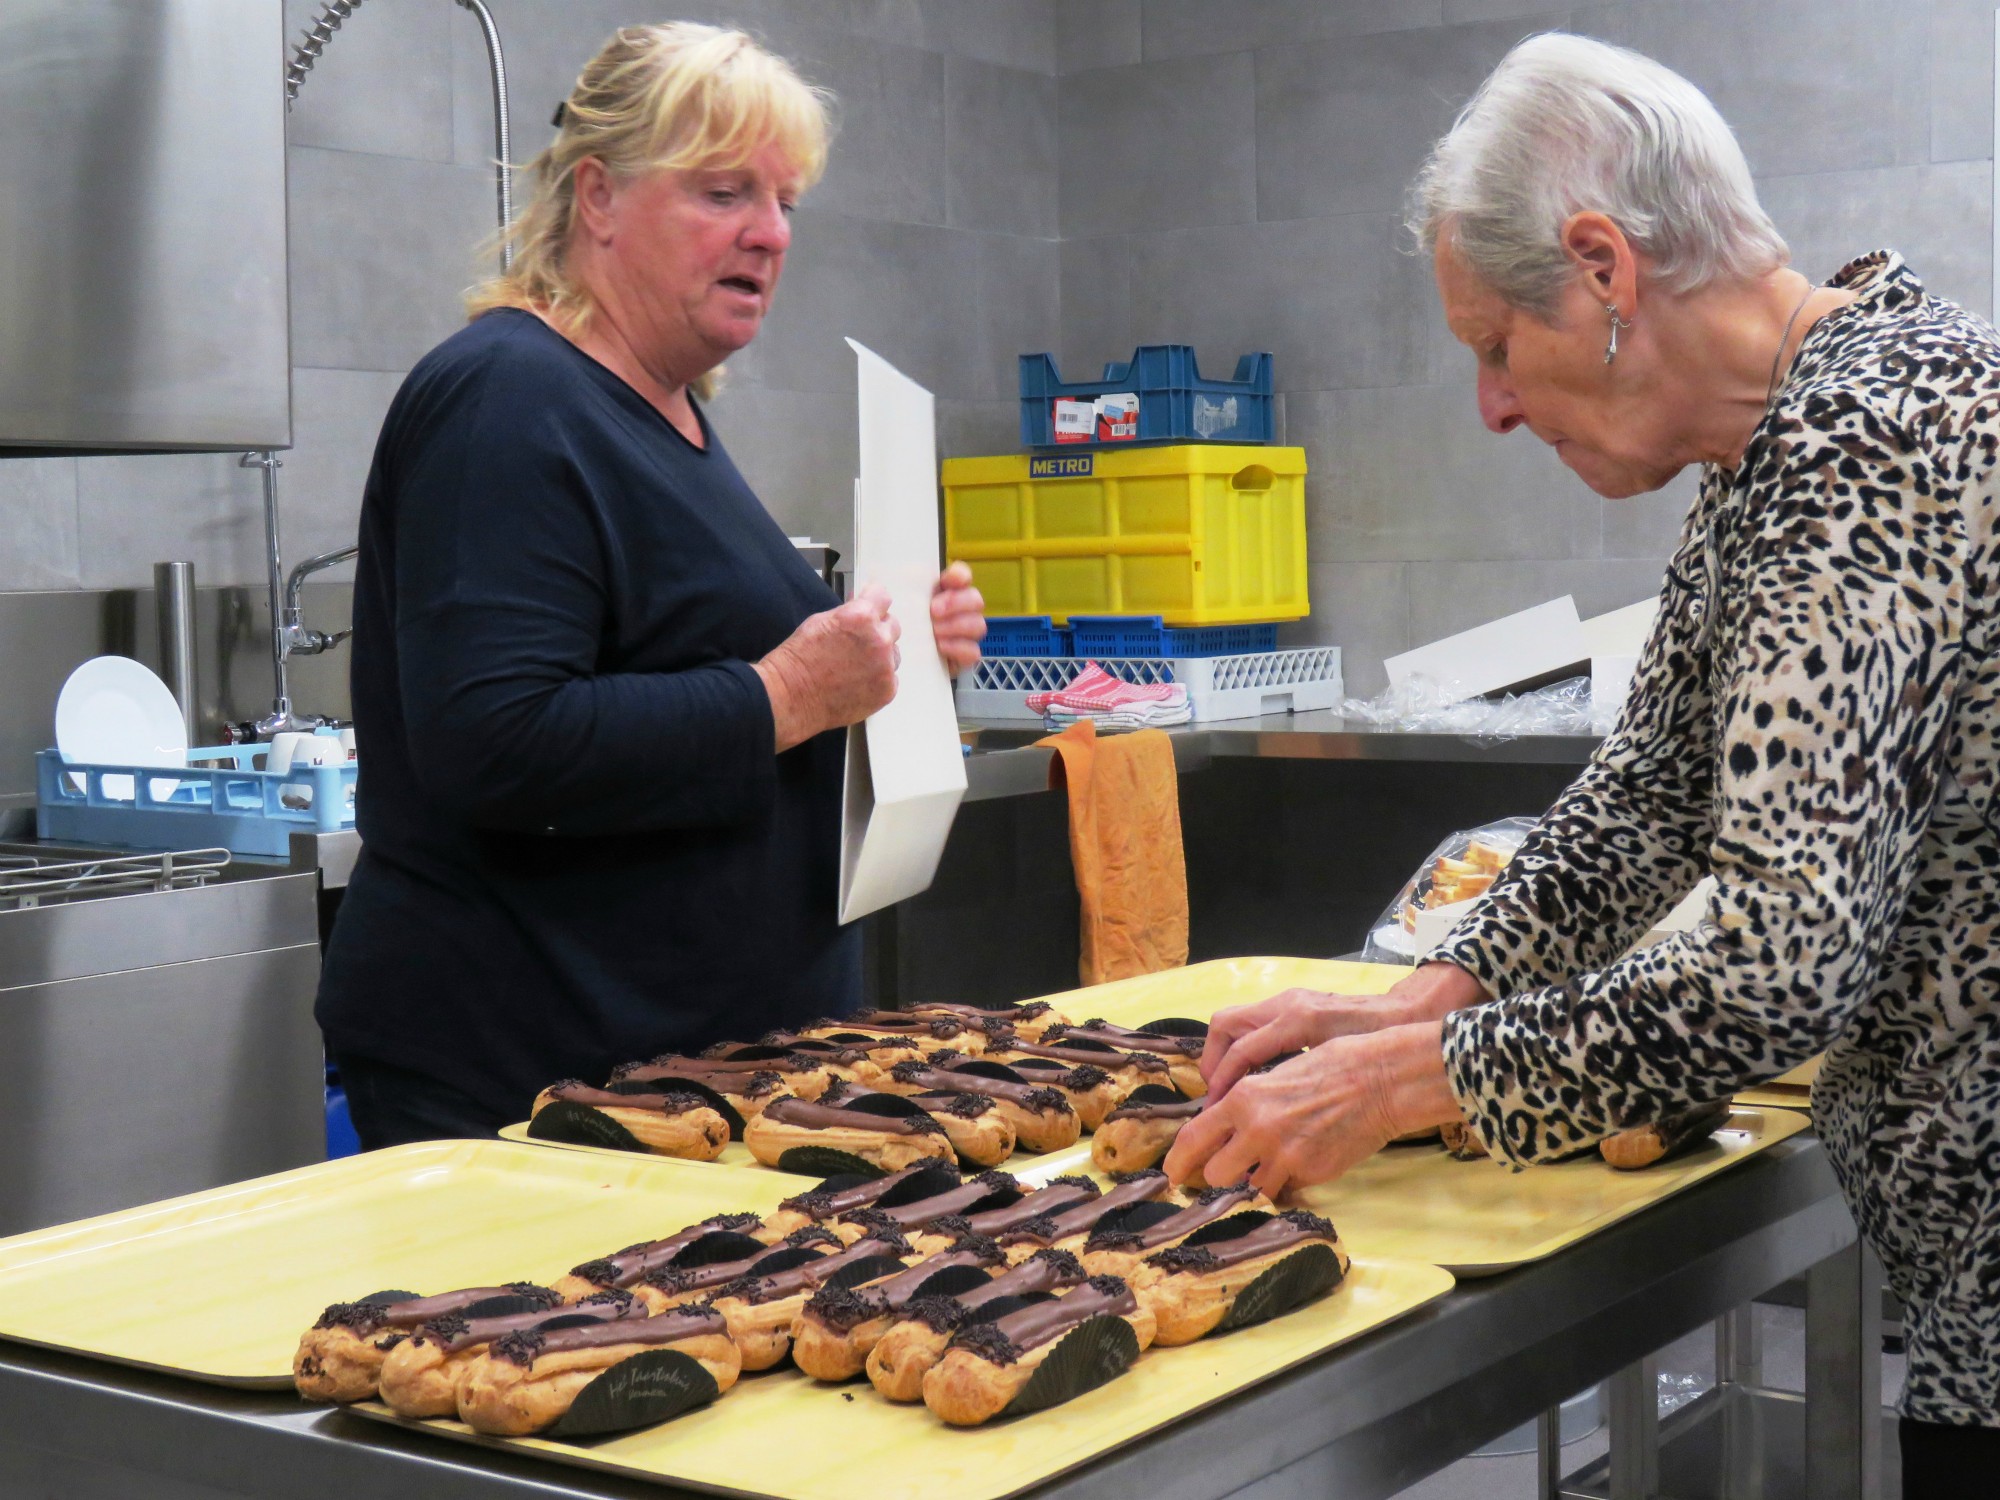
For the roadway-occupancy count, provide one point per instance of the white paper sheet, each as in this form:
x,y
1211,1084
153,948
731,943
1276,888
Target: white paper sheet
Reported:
x,y
905,769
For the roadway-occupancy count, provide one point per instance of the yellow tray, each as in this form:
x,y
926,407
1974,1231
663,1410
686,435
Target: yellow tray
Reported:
x,y
219,1285
1791,1090
782,1435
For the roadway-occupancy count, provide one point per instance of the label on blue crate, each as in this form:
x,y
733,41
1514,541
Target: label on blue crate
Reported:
x,y
1081,466
1212,416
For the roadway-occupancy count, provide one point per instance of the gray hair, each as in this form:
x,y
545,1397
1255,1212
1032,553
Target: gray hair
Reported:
x,y
1567,125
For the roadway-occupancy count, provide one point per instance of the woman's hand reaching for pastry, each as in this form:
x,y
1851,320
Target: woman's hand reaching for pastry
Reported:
x,y
1245,1037
1312,1118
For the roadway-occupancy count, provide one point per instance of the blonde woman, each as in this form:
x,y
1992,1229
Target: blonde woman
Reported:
x,y
1815,721
601,692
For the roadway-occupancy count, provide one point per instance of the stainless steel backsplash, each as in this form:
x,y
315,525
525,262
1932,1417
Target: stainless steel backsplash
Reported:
x,y
44,636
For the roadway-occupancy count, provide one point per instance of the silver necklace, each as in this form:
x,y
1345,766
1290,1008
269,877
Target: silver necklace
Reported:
x,y
1771,388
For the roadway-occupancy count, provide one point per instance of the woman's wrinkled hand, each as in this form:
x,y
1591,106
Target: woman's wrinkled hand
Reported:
x,y
1312,1118
958,619
1245,1037
836,669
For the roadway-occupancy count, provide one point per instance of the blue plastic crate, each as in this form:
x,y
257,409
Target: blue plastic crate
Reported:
x,y
1176,403
235,807
1024,635
1147,635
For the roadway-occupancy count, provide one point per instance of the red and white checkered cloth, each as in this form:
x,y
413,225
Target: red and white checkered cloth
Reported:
x,y
1095,693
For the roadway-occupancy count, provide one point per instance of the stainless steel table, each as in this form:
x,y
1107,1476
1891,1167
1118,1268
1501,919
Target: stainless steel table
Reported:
x,y
1361,1423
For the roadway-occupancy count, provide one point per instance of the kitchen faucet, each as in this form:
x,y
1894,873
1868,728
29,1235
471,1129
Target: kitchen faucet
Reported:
x,y
290,635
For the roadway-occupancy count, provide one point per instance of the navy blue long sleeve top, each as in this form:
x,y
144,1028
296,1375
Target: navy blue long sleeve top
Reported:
x,y
579,843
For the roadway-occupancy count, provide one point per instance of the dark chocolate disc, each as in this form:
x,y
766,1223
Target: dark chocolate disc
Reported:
x,y
927,1182
999,1307
888,1106
789,1259
979,1068
650,1387
712,1249
952,1281
384,1299
1174,1026
714,1099
567,1320
1095,1351
1136,1218
1085,1044
840,1182
1154,1093
579,1125
755,1052
824,1161
859,1272
504,1306
1232,1228
1294,1281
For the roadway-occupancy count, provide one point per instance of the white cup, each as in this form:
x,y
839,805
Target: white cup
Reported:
x,y
284,749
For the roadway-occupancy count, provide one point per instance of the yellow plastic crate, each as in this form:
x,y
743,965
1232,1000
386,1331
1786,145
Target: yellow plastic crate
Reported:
x,y
1198,534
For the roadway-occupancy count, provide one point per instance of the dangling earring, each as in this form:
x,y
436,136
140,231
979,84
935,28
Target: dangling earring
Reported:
x,y
1611,349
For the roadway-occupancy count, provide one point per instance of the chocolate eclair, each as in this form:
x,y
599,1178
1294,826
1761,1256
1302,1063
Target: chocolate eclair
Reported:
x,y
1060,1193
1127,1069
762,1306
719,1262
1117,1249
1068,1227
672,1122
839,1195
1182,1050
917,1334
1242,1270
420,1374
980,1131
838,1327
1027,1019
989,1190
927,1033
1645,1144
624,1268
1141,1131
1043,1118
527,1382
1091,1091
805,1073
746,1090
989,1366
881,1131
340,1357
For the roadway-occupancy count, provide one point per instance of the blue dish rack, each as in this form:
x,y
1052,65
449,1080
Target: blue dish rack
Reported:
x,y
1024,635
1176,403
233,806
1149,635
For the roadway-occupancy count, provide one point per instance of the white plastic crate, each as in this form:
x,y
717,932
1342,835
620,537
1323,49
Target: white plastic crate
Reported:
x,y
1219,687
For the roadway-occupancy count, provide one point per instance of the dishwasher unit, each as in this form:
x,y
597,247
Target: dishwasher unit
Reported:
x,y
156,1030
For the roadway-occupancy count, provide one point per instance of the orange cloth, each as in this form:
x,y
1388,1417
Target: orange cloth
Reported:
x,y
1125,842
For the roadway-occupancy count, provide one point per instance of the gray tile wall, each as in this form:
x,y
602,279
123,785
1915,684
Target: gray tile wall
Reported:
x,y
1083,175
1868,123
933,238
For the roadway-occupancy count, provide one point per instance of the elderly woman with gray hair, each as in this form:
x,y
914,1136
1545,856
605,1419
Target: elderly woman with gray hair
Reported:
x,y
1813,721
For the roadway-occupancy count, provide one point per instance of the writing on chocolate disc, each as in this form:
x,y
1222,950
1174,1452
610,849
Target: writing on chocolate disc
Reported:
x,y
648,1388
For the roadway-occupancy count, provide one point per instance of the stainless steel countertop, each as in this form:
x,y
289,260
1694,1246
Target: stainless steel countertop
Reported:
x,y
1362,1422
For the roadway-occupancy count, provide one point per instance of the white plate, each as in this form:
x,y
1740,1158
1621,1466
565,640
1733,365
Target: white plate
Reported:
x,y
1392,939
115,710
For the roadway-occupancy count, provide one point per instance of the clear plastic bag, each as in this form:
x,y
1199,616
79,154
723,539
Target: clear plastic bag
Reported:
x,y
1459,869
1420,704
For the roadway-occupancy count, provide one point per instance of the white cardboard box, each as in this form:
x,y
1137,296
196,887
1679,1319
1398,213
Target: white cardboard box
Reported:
x,y
1500,654
905,768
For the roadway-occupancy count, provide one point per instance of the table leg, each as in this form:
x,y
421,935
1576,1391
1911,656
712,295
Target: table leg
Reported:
x,y
1635,1430
1549,1454
1844,1377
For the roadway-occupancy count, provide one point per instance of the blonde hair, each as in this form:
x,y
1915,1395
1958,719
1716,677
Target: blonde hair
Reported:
x,y
679,96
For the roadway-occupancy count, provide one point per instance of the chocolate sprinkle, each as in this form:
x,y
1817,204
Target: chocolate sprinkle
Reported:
x,y
1310,1222
1066,1264
871,1219
357,1317
988,1342
597,1272
812,1234
1122,1178
911,1071
519,1347
938,1314
1191,1259
1049,1101
952,1224
816,1204
1107,1286
1041,1227
843,1309
964,1106
1072,1180
1208,1195
616,1297
1113,1239
1084,1077
977,1244
447,1327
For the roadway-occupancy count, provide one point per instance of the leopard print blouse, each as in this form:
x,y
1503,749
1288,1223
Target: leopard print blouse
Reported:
x,y
1813,722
